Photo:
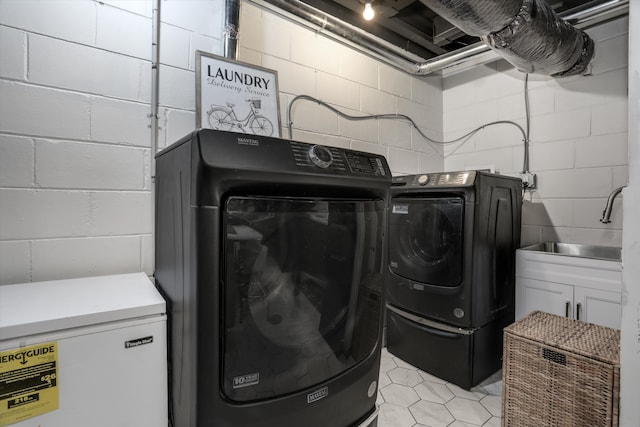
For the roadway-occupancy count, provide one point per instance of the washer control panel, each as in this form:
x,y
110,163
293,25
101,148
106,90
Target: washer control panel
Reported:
x,y
440,179
363,163
337,159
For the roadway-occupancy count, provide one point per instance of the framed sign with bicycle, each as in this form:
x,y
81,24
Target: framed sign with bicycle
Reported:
x,y
237,97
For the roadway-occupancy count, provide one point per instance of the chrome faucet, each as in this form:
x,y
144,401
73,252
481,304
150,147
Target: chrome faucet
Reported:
x,y
606,214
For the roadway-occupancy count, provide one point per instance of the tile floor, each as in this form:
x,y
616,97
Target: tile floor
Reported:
x,y
409,397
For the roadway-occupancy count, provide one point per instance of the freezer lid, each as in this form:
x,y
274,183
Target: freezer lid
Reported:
x,y
42,307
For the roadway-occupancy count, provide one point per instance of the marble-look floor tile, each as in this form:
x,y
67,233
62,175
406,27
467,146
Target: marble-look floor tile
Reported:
x,y
469,411
458,423
493,404
410,397
492,385
383,380
401,363
431,414
391,415
431,378
437,393
493,422
467,394
387,363
399,395
405,376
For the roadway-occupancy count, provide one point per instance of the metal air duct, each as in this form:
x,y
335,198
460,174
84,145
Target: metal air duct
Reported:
x,y
527,33
448,63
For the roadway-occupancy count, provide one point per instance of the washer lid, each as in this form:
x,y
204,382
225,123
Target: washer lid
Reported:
x,y
42,307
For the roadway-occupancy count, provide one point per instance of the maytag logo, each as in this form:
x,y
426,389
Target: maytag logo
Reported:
x,y
248,141
317,395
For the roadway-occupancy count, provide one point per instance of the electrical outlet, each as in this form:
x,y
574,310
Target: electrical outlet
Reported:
x,y
528,180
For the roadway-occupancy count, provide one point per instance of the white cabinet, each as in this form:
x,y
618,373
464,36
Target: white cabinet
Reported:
x,y
532,295
597,306
578,288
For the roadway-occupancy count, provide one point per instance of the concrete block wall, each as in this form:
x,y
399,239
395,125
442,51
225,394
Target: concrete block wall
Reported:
x,y
578,133
75,141
311,63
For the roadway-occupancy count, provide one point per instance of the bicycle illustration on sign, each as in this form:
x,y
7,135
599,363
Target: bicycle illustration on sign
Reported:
x,y
225,118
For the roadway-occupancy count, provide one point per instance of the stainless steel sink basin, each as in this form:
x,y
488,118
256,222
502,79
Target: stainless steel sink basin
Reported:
x,y
609,253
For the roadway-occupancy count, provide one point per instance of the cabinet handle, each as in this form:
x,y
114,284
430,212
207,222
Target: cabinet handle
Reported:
x,y
578,310
567,307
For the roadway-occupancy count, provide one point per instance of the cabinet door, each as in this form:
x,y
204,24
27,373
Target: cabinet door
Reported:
x,y
555,298
597,306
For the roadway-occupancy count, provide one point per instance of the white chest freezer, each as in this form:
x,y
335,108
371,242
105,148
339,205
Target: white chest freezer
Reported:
x,y
87,352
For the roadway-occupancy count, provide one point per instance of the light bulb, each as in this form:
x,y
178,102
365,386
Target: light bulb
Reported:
x,y
368,12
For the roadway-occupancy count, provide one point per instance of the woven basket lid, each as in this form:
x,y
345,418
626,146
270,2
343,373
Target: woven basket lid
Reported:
x,y
587,339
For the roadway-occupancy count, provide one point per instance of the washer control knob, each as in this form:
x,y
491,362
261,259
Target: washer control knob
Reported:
x,y
320,156
423,179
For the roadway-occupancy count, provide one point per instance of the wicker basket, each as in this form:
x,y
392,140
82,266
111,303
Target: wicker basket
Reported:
x,y
560,372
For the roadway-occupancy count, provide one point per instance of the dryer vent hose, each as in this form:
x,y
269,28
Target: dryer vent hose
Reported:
x,y
527,33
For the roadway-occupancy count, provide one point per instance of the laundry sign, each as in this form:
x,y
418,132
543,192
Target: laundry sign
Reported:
x,y
237,97
28,382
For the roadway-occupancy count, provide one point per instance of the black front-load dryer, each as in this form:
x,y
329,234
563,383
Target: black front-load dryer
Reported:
x,y
451,277
271,255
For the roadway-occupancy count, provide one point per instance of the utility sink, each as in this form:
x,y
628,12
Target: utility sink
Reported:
x,y
608,253
582,282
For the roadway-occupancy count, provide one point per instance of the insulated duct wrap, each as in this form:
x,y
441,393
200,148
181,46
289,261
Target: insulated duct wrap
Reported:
x,y
527,33
476,17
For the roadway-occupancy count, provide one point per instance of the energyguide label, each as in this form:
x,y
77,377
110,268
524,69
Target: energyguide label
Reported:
x,y
28,382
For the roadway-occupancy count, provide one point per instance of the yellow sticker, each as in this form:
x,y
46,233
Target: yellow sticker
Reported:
x,y
28,382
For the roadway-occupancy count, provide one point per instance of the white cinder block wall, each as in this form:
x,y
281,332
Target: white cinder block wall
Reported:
x,y
74,139
309,63
578,133
75,93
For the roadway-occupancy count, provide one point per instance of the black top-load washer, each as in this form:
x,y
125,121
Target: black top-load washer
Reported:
x,y
271,255
451,278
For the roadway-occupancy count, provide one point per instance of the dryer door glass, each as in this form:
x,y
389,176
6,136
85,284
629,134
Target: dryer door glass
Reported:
x,y
302,292
425,239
